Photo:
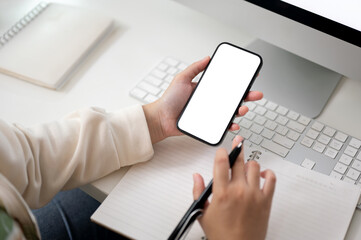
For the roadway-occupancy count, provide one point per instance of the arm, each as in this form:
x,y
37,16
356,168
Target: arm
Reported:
x,y
75,150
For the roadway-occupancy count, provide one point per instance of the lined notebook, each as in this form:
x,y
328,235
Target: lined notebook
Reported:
x,y
153,196
47,44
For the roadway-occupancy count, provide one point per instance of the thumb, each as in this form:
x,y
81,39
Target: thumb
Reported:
x,y
192,71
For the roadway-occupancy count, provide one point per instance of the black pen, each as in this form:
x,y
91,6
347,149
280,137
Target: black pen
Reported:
x,y
196,209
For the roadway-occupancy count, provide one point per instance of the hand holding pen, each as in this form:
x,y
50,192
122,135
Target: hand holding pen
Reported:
x,y
240,208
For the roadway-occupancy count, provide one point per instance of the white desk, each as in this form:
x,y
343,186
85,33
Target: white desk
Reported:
x,y
146,32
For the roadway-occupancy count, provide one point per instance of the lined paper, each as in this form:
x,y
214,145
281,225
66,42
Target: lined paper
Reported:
x,y
153,196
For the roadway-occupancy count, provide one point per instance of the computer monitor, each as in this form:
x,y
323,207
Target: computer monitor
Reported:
x,y
307,45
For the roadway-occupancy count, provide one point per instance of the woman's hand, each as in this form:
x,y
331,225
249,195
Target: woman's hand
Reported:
x,y
162,114
239,208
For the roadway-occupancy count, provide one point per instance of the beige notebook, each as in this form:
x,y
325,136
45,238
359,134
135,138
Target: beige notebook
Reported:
x,y
47,44
153,196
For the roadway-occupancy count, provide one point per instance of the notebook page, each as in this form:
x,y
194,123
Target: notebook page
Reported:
x,y
307,204
153,196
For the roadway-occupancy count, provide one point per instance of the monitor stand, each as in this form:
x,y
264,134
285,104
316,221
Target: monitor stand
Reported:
x,y
292,81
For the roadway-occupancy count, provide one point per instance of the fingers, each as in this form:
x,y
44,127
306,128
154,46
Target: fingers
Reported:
x,y
234,127
269,183
242,110
191,71
254,96
253,173
198,185
236,140
220,170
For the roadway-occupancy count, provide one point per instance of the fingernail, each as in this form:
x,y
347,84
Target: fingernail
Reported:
x,y
238,138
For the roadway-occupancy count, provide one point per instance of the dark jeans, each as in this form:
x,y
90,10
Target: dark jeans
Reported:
x,y
67,216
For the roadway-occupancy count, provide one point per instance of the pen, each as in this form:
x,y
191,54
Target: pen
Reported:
x,y
196,209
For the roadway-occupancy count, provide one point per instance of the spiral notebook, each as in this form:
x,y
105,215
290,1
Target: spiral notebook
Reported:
x,y
152,197
49,42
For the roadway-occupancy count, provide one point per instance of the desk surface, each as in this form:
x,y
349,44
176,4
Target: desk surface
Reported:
x,y
146,31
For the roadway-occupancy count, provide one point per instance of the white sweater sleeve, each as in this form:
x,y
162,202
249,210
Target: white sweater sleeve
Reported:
x,y
81,147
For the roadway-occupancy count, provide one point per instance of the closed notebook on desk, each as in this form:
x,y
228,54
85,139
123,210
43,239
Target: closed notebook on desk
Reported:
x,y
47,44
153,196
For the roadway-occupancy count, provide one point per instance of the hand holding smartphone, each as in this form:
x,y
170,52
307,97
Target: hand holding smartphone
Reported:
x,y
219,93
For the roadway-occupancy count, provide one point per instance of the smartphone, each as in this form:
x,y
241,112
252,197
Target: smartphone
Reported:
x,y
219,93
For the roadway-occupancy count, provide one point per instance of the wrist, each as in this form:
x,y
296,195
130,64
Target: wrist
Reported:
x,y
153,121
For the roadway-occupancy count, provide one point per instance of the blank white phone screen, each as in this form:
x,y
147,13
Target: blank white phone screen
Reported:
x,y
219,93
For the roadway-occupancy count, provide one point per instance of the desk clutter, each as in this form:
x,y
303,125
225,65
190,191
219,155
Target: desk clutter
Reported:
x,y
49,42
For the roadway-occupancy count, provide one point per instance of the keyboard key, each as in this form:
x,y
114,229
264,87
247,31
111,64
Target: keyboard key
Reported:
x,y
261,102
282,110
168,78
162,66
282,120
296,126
341,136
150,98
250,115
256,128
260,110
307,163
356,165
251,105
159,74
293,135
138,93
271,115
336,144
329,131
267,133
332,153
304,120
306,141
246,134
350,151
341,168
324,139
355,143
312,134
293,115
149,88
171,61
237,120
271,125
318,126
336,175
260,120
319,147
271,106
153,80
345,159
245,123
353,174
275,148
359,156
283,141
164,86
172,70
256,139
282,130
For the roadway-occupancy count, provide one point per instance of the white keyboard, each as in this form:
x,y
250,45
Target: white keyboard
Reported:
x,y
272,127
